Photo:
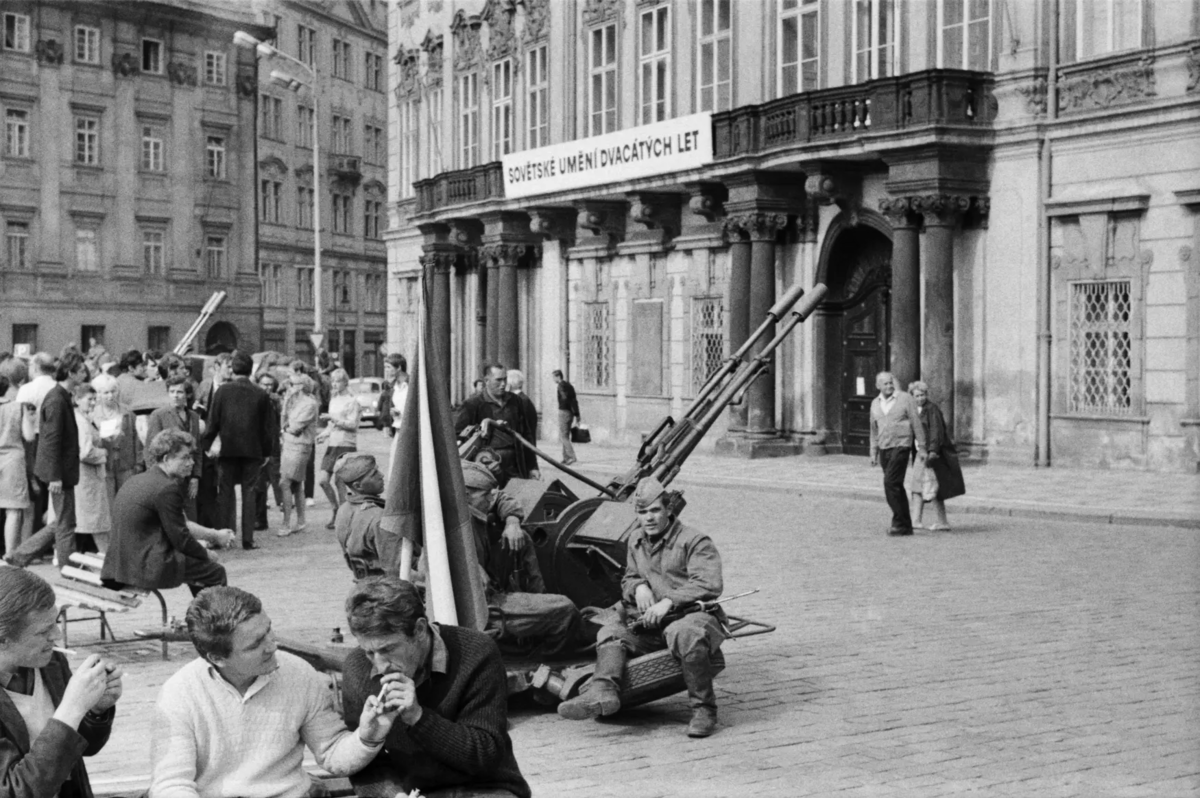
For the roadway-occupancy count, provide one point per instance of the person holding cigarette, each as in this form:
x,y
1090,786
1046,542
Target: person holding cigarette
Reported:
x,y
451,738
235,721
49,718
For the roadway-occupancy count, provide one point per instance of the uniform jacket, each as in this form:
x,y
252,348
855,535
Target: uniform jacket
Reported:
x,y
898,428
360,534
58,440
52,764
682,565
241,415
150,538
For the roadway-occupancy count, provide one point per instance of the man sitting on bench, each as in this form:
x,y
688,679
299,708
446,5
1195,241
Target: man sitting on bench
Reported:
x,y
153,546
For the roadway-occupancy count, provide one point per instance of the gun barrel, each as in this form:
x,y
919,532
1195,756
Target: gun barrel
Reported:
x,y
210,307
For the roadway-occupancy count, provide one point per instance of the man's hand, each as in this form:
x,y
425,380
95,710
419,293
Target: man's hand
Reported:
x,y
653,616
112,690
535,474
56,487
644,597
193,488
514,537
399,701
874,459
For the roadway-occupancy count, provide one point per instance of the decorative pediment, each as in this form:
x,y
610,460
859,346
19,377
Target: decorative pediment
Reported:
x,y
502,39
409,61
304,174
468,50
273,166
434,47
537,20
374,186
183,74
49,51
596,12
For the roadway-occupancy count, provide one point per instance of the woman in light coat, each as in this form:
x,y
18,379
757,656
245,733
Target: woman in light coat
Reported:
x,y
14,481
93,508
299,422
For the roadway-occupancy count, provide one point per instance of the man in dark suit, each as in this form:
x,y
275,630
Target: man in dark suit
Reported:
x,y
152,545
240,417
56,466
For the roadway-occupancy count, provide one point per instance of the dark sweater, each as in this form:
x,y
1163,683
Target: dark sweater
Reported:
x,y
462,736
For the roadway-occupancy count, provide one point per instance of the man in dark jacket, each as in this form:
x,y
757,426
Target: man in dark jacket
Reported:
x,y
240,417
152,545
497,404
56,466
393,393
568,414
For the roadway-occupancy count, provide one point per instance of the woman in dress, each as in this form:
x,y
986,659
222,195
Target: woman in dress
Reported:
x,y
14,481
299,421
936,475
49,718
93,508
340,437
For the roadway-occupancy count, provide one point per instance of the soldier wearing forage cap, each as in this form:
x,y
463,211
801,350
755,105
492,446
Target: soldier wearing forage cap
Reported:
x,y
523,617
669,565
357,522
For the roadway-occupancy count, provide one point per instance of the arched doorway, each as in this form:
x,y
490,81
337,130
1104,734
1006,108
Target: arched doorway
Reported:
x,y
858,270
221,337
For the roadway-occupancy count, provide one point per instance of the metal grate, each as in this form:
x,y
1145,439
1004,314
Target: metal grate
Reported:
x,y
1101,360
597,371
708,338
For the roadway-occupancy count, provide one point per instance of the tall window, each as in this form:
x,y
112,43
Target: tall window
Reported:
x,y
269,201
1098,27
715,86
304,126
87,45
16,133
16,32
152,56
597,373
152,148
214,68
153,251
654,65
1101,363
306,49
25,334
304,207
373,289
874,39
468,120
373,71
304,286
342,205
434,120
375,142
372,219
708,338
341,134
602,73
799,46
214,157
408,146
537,95
158,338
965,25
87,140
272,117
16,245
87,250
270,277
342,287
341,59
502,108
214,257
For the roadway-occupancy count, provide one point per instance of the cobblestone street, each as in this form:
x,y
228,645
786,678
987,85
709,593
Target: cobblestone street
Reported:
x,y
1017,656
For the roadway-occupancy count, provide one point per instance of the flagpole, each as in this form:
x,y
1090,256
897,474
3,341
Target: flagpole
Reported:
x,y
406,544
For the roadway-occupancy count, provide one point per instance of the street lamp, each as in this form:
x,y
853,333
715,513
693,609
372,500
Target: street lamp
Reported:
x,y
292,83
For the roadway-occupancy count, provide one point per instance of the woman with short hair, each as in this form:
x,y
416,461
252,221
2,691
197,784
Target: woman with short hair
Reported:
x,y
49,718
299,422
118,431
93,502
14,477
936,475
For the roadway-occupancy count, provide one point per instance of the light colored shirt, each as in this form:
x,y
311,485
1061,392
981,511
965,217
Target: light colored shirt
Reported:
x,y
212,742
344,412
895,425
399,398
33,392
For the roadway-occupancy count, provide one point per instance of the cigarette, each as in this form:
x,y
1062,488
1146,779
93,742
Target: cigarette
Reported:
x,y
382,690
70,652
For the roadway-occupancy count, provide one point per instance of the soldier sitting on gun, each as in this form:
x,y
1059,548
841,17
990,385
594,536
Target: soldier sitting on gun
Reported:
x,y
522,616
669,566
357,525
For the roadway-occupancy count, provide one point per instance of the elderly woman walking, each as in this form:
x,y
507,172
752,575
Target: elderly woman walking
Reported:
x,y
936,475
299,421
14,479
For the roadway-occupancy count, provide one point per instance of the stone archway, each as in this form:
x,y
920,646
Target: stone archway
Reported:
x,y
221,337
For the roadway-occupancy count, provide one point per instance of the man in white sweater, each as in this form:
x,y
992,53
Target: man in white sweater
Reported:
x,y
234,722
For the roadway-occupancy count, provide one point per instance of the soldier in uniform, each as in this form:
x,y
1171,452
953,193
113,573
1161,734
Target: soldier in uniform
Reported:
x,y
357,522
669,565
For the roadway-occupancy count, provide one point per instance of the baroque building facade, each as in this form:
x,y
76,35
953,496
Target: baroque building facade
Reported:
x,y
1001,198
345,42
126,175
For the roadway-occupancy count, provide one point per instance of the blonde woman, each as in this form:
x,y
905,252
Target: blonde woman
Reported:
x,y
118,430
299,421
340,437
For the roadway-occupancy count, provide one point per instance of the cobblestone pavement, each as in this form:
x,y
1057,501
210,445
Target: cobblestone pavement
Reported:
x,y
1014,656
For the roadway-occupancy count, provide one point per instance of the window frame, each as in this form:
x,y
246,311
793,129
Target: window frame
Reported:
x,y
435,103
91,43
467,127
161,55
216,69
305,197
216,157
342,140
373,68
874,49
18,30
304,126
799,11
964,25
605,74
17,235
305,287
537,95
215,255
271,122
148,131
306,45
87,249
1075,18
373,224
88,138
503,134
340,63
654,65
149,247
24,128
714,41
408,116
270,199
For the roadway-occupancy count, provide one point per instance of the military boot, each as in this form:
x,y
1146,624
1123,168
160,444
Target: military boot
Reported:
x,y
697,674
602,695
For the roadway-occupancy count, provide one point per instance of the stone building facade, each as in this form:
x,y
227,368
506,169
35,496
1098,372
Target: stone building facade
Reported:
x,y
126,175
1002,199
346,42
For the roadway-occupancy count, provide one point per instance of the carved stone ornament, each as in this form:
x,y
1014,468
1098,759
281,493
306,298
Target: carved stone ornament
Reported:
x,y
556,223
409,61
183,74
537,21
596,12
822,188
656,211
604,220
502,37
125,64
708,201
468,50
758,226
1104,88
247,84
504,253
941,209
979,211
434,59
1193,68
1034,93
1185,253
439,260
49,51
899,211
273,166
304,174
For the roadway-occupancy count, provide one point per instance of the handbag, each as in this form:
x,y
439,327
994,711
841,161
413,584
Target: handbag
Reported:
x,y
581,434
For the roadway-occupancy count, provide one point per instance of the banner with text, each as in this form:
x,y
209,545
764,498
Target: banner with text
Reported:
x,y
660,148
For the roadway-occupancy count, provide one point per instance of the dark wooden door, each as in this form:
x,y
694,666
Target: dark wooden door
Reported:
x,y
865,354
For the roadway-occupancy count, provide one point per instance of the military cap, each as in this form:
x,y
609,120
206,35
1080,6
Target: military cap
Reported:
x,y
477,476
648,490
352,467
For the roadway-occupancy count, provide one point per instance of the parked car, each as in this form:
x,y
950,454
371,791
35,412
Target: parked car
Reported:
x,y
366,392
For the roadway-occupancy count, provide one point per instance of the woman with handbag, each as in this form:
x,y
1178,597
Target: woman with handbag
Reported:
x,y
936,475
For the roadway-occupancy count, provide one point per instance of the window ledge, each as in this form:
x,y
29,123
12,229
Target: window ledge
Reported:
x,y
1111,197
1107,419
88,167
1189,422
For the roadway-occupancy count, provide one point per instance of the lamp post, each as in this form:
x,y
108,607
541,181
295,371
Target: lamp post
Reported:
x,y
243,39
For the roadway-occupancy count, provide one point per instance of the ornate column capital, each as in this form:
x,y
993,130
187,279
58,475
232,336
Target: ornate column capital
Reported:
x,y
440,260
504,253
941,210
899,212
757,225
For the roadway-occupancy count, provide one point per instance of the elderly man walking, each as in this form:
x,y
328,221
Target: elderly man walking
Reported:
x,y
895,426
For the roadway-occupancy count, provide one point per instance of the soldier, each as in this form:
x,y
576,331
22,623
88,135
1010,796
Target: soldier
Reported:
x,y
668,566
357,523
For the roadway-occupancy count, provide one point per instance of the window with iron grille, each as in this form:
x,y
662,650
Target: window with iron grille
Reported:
x,y
597,370
708,338
1101,362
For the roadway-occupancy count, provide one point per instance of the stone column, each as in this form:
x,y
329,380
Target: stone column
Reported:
x,y
508,351
941,212
905,332
438,264
481,314
761,397
493,308
739,308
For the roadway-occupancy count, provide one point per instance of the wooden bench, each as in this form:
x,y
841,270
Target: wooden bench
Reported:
x,y
81,588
